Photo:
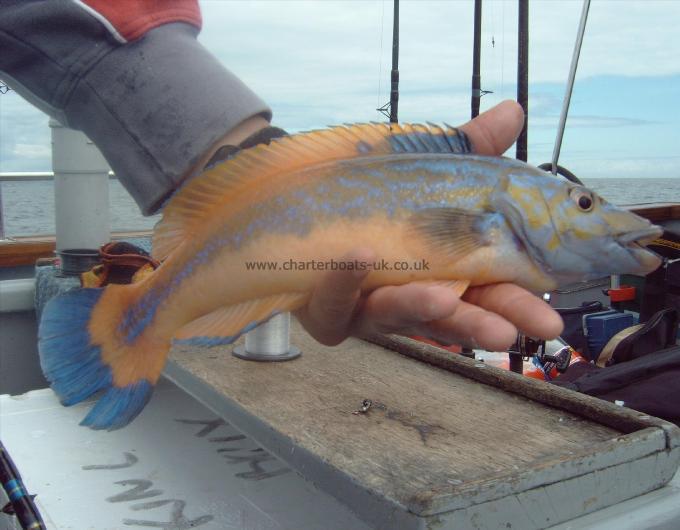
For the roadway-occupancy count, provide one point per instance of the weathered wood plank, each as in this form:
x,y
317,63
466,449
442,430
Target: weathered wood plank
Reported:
x,y
620,418
432,443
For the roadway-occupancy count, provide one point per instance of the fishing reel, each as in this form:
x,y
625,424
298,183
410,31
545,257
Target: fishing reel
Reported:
x,y
548,355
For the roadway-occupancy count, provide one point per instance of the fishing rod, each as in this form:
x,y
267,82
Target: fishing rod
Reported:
x,y
476,55
394,92
523,75
20,502
477,91
391,108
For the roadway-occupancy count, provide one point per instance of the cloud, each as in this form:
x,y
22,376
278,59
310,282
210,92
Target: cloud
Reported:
x,y
39,151
589,122
24,136
322,63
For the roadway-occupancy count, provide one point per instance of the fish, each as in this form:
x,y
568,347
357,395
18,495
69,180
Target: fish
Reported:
x,y
410,193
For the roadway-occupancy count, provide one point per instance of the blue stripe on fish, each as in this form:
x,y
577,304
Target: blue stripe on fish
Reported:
x,y
140,315
364,147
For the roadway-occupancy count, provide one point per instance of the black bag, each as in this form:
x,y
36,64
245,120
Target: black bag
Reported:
x,y
648,384
659,332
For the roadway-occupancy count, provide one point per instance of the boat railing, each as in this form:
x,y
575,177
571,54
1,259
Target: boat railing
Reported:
x,y
81,205
20,176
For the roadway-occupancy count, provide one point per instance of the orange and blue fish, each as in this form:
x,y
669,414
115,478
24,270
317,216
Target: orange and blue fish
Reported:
x,y
408,192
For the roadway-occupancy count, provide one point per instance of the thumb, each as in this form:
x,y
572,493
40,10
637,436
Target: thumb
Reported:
x,y
329,314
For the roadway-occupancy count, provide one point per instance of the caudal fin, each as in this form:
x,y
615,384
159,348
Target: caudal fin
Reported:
x,y
78,364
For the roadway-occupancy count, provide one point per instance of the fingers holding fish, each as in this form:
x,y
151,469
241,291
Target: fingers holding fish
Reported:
x,y
520,307
494,131
489,317
401,309
471,326
335,301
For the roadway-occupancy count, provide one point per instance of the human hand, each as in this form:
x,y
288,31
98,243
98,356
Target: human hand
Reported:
x,y
485,317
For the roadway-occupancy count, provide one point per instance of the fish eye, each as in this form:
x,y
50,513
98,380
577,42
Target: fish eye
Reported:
x,y
583,199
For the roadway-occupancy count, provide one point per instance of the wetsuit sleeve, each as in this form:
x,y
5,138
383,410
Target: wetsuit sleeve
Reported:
x,y
132,76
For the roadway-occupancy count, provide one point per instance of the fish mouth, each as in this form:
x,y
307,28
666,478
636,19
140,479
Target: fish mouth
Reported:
x,y
636,243
640,237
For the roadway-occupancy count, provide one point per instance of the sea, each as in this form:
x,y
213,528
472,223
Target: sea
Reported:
x,y
28,207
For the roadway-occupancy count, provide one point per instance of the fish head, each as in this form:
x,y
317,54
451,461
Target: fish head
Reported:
x,y
571,233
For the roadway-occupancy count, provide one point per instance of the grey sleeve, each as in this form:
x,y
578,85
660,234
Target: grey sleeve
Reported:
x,y
153,106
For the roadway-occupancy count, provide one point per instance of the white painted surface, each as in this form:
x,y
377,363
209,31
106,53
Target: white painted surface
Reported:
x,y
17,295
177,452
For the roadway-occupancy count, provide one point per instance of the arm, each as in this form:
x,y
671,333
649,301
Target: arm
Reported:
x,y
137,83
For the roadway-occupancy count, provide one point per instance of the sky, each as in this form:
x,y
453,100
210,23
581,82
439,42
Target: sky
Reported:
x,y
325,62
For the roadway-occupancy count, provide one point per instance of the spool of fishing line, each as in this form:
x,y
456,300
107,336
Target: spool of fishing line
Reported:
x,y
269,342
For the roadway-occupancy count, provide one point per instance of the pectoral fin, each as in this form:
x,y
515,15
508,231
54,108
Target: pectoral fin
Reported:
x,y
453,231
227,324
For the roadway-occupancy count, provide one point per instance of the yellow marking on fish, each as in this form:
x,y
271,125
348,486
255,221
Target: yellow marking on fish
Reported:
x,y
528,199
554,242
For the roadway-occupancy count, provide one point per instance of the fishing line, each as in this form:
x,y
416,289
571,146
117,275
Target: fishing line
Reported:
x,y
494,56
382,30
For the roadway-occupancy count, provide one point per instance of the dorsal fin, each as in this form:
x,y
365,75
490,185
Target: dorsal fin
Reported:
x,y
185,211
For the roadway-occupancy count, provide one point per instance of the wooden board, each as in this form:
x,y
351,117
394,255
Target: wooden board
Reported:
x,y
26,250
657,212
436,448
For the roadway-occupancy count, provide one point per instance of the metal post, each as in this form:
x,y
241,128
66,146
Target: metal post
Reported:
x,y
269,342
476,53
394,92
523,75
570,85
81,190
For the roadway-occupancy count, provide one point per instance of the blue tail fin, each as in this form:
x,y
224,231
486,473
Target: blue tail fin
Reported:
x,y
73,363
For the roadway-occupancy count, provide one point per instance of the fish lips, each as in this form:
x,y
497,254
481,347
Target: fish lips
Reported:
x,y
635,243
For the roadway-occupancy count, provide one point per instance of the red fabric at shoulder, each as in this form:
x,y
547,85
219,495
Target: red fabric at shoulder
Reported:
x,y
129,20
